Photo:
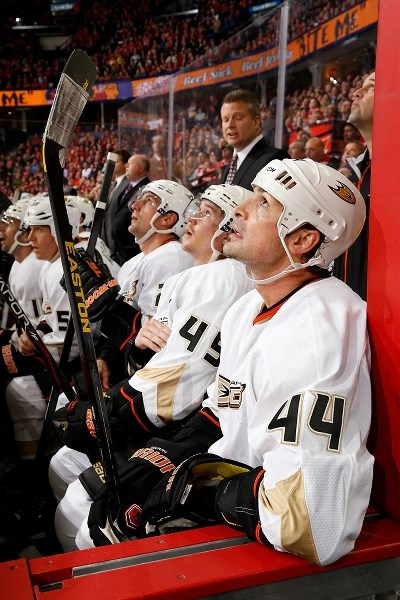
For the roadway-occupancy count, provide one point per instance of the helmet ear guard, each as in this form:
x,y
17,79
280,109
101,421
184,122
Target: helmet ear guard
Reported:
x,y
317,194
17,211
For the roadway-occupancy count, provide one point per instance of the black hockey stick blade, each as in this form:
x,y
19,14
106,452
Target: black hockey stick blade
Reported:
x,y
23,321
71,96
101,203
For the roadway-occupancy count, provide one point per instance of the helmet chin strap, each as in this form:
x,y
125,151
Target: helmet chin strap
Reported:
x,y
215,253
153,230
291,268
17,243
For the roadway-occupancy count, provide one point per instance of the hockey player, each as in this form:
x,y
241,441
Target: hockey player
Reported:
x,y
157,224
24,397
24,273
185,333
292,393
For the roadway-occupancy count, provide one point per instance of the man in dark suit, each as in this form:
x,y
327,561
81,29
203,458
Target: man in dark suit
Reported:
x,y
136,171
241,128
120,181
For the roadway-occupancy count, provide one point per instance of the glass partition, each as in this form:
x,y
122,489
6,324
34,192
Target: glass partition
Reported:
x,y
175,119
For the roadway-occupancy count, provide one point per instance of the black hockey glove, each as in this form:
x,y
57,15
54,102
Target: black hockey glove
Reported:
x,y
204,489
100,288
110,523
77,429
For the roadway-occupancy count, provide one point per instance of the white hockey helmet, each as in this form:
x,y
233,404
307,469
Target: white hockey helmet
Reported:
x,y
226,196
16,211
314,193
86,208
174,197
39,213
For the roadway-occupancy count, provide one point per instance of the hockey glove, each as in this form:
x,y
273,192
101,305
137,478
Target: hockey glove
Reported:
x,y
110,523
77,429
100,288
204,489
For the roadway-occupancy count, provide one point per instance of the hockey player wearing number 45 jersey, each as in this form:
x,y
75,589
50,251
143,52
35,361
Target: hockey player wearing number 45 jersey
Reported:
x,y
185,334
292,392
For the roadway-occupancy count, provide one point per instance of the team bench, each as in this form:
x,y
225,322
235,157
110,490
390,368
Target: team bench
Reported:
x,y
208,562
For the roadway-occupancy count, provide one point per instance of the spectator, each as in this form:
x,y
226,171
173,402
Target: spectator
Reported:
x,y
351,149
158,160
297,150
315,149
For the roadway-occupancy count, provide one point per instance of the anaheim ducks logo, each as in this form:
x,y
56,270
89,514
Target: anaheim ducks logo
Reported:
x,y
132,292
343,192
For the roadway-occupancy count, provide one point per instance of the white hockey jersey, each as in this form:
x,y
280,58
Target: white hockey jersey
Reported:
x,y
24,284
142,277
293,396
56,309
193,304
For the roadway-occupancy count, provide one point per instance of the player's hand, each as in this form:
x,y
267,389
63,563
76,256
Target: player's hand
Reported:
x,y
153,335
77,426
100,288
25,346
110,523
104,374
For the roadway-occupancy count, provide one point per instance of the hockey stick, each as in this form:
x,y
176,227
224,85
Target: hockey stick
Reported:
x,y
25,324
71,97
101,203
69,335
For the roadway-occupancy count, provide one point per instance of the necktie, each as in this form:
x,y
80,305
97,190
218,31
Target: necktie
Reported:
x,y
127,192
232,169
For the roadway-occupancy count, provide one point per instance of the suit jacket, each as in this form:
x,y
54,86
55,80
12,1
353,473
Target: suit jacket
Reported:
x,y
106,232
256,159
124,242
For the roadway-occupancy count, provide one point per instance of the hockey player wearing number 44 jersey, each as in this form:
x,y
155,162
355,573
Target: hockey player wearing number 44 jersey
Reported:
x,y
185,334
292,392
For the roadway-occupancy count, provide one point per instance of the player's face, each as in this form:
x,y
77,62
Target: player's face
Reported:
x,y
43,243
8,230
254,237
143,210
202,224
239,126
362,108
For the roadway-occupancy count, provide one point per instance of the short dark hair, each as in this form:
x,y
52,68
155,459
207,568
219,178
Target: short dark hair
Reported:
x,y
124,155
245,96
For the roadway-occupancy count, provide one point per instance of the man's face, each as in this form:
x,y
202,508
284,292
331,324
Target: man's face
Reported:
x,y
254,239
43,243
296,150
143,209
8,230
119,168
314,150
362,108
350,134
134,168
239,126
200,229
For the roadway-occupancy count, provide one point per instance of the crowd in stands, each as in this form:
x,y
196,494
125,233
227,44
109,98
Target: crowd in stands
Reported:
x,y
198,161
128,41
